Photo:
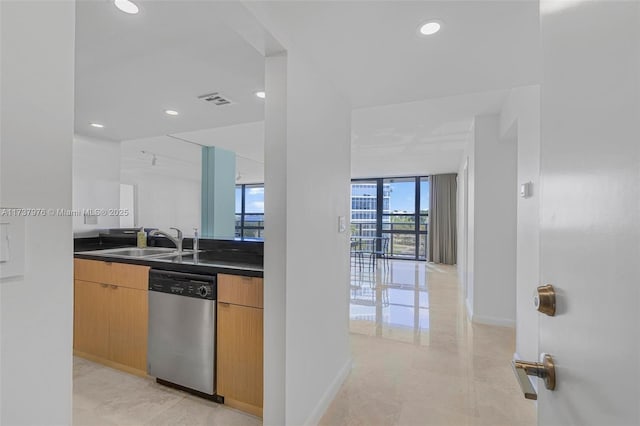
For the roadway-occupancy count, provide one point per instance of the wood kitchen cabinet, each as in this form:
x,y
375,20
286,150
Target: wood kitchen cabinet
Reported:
x,y
111,314
240,342
128,319
91,318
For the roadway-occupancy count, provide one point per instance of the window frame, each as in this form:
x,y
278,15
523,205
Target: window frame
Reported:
x,y
240,230
417,215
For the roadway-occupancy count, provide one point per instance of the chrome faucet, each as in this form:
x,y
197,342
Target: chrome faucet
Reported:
x,y
175,240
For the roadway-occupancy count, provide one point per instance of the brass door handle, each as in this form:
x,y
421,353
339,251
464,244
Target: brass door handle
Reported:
x,y
545,370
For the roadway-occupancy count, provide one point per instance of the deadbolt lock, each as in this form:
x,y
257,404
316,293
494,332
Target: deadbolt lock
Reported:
x,y
545,300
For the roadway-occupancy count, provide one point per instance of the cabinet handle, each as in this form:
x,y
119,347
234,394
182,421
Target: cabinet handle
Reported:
x,y
225,304
244,278
115,287
104,285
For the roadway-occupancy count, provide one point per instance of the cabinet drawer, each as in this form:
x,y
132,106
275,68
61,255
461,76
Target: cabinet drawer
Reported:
x,y
92,270
240,290
120,274
132,276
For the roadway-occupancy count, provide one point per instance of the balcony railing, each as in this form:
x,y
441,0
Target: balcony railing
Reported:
x,y
402,237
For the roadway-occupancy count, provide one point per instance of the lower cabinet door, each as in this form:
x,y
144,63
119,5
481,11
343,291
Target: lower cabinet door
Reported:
x,y
129,309
91,318
239,356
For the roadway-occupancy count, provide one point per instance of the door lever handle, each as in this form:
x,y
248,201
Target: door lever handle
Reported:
x,y
546,370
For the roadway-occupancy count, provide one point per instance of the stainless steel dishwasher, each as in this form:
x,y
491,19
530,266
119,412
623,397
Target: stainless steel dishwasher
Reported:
x,y
182,324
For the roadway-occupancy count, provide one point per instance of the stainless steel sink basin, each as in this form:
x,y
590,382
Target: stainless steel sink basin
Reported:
x,y
187,256
134,252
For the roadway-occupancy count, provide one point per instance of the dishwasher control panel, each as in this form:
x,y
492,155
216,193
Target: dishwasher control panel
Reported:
x,y
183,284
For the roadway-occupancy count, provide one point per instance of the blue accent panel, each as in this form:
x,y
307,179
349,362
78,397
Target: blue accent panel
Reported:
x,y
218,192
207,220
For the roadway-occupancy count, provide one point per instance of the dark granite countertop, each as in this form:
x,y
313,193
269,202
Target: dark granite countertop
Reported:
x,y
205,262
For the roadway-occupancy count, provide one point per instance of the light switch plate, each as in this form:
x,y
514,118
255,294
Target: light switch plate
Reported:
x,y
12,245
342,224
526,189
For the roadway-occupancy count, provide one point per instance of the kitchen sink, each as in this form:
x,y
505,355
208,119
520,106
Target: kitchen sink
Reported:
x,y
134,252
187,255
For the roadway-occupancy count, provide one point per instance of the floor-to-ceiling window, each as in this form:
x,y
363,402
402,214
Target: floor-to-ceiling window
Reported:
x,y
250,211
396,208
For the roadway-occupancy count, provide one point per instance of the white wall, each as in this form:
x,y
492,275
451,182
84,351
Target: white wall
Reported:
x,y
307,177
96,181
275,247
491,238
520,123
466,235
168,194
36,311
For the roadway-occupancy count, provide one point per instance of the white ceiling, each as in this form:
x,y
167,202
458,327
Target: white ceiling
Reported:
x,y
415,97
130,68
173,158
372,50
415,138
424,137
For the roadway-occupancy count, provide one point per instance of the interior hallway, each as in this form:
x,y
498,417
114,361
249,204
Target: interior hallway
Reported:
x,y
418,361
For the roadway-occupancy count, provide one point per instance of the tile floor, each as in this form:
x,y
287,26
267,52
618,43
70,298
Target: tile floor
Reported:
x,y
417,362
105,397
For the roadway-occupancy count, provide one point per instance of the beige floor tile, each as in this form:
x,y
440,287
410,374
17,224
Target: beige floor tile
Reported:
x,y
104,397
418,361
191,410
417,414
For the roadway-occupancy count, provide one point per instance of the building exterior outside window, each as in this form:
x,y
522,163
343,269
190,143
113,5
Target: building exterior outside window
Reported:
x,y
250,211
393,208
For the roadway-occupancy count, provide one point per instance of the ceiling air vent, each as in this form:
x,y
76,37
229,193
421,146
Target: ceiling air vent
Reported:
x,y
216,98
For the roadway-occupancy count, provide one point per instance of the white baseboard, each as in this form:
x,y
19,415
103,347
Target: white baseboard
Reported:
x,y
487,320
329,395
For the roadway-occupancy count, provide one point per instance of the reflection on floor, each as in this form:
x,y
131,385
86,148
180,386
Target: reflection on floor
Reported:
x,y
105,397
418,361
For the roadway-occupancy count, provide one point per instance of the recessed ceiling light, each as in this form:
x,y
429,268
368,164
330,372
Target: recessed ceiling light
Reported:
x,y
98,125
261,94
126,6
430,28
170,112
